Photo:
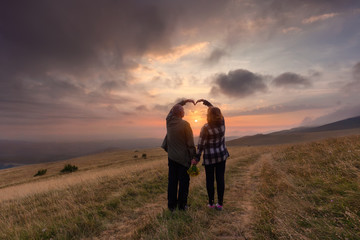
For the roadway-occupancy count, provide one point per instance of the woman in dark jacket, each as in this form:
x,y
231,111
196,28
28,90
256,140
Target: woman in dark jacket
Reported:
x,y
212,143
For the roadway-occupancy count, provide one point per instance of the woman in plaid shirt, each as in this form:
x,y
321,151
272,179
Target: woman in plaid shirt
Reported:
x,y
212,143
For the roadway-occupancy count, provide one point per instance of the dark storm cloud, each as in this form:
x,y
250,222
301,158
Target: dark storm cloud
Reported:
x,y
83,49
239,83
291,80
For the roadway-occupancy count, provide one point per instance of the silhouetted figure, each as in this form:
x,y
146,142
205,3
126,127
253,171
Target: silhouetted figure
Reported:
x,y
212,143
179,144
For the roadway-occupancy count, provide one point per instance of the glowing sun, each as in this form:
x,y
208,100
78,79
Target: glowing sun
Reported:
x,y
196,120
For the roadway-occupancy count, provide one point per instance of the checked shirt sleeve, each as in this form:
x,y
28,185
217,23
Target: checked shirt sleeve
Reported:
x,y
201,143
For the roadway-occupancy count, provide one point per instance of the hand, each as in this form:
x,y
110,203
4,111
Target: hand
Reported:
x,y
205,102
183,102
194,162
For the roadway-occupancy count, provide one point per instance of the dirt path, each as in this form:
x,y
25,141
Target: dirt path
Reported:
x,y
243,186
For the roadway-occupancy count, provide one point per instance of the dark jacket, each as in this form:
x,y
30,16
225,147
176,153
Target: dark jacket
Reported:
x,y
179,140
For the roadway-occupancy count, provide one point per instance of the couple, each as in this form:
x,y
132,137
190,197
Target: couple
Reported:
x,y
179,144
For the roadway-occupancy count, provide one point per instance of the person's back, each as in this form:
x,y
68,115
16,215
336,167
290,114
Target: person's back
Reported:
x,y
212,143
179,143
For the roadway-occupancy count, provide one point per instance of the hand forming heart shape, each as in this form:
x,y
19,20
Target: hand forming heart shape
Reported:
x,y
205,102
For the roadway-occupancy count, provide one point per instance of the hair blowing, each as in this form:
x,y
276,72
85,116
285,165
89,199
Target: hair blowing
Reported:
x,y
214,116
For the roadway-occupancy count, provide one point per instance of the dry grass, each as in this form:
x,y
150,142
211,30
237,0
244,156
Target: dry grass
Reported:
x,y
83,203
203,223
304,191
311,191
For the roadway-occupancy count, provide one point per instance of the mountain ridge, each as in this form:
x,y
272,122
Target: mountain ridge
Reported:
x,y
340,128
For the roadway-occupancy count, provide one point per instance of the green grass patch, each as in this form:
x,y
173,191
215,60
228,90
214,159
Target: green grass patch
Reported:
x,y
68,168
40,172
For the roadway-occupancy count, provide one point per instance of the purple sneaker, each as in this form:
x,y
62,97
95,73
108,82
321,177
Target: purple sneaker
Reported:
x,y
219,207
212,206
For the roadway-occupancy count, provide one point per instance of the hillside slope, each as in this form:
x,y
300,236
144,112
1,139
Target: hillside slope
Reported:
x,y
302,191
345,127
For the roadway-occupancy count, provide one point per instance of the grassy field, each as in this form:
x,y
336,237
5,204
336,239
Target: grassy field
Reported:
x,y
302,191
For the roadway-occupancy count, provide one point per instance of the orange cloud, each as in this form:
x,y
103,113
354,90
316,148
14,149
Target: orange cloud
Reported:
x,y
179,52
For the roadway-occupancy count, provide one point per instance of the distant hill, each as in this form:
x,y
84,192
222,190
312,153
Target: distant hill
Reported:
x,y
15,153
345,127
349,123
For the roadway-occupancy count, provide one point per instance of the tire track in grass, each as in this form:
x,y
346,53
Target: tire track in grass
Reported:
x,y
244,183
235,220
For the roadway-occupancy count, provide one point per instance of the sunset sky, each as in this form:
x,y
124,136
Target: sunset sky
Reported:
x,y
111,69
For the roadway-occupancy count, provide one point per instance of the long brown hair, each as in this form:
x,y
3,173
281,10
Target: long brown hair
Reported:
x,y
214,116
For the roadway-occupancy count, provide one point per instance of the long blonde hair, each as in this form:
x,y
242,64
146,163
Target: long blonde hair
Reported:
x,y
214,116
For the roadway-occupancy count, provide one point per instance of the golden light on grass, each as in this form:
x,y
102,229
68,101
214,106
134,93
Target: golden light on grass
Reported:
x,y
113,195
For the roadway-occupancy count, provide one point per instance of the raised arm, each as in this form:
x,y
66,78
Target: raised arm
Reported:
x,y
205,102
183,102
179,104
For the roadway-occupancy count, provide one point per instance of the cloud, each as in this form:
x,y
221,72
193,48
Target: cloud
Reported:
x,y
142,108
239,83
70,54
354,84
319,18
81,58
276,109
291,30
179,51
291,80
107,86
71,50
173,82
356,72
215,56
337,115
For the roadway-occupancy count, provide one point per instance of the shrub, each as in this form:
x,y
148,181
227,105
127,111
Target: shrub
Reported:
x,y
135,156
40,172
144,155
68,168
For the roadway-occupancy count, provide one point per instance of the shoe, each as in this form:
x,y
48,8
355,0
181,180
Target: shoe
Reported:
x,y
212,206
219,207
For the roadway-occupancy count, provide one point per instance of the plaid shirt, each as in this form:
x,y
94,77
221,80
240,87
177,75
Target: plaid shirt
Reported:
x,y
212,142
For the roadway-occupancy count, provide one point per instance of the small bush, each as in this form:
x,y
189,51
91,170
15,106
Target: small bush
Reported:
x,y
40,172
68,168
135,156
144,155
